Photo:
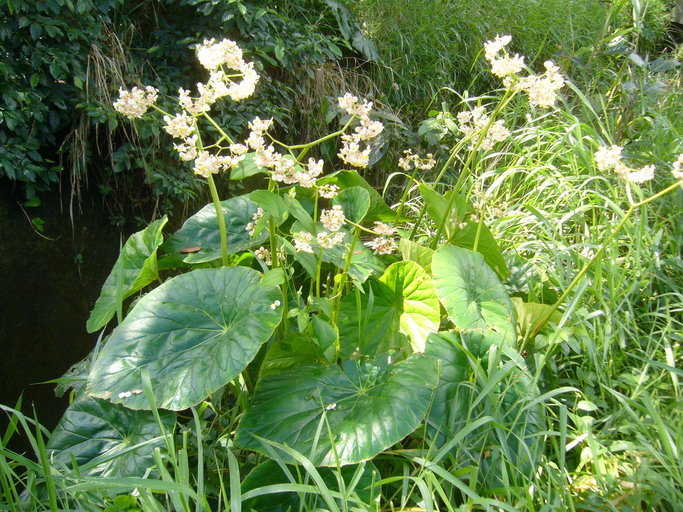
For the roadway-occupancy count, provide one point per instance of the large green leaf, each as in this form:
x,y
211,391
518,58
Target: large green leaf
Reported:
x,y
413,251
470,291
358,484
355,201
368,407
102,438
486,245
402,301
193,334
496,391
200,232
378,208
289,352
135,268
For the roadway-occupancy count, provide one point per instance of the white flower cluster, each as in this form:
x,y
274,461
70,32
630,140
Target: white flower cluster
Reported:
x,y
254,220
676,168
502,65
332,220
607,158
542,90
134,103
213,56
283,168
265,255
473,123
328,191
206,163
384,243
351,152
412,161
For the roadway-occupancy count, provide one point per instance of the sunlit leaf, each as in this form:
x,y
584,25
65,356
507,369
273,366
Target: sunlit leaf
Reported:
x,y
402,302
471,292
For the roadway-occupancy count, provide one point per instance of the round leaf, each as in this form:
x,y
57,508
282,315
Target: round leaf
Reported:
x,y
368,407
200,232
193,334
402,301
102,436
470,291
355,201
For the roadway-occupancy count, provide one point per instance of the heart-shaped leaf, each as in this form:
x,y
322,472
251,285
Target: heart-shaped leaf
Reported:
x,y
355,201
193,334
470,291
201,231
134,269
486,245
102,436
402,301
368,407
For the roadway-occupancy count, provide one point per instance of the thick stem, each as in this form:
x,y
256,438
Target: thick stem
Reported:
x,y
221,220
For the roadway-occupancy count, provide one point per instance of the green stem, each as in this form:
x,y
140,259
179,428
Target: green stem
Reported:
x,y
217,127
342,280
221,220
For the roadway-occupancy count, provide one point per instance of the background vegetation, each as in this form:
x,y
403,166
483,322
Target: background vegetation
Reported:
x,y
614,444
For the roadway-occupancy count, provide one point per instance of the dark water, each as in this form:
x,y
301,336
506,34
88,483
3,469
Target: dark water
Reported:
x,y
48,288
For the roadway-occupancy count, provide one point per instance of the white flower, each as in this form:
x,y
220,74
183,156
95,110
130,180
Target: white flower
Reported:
x,y
259,125
188,149
206,164
181,126
608,157
328,240
368,129
472,123
641,176
328,191
275,305
302,242
135,103
211,55
507,66
383,245
383,229
676,168
351,152
353,107
333,219
264,255
492,48
542,90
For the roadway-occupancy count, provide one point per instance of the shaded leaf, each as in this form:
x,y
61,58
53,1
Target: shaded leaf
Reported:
x,y
102,436
201,230
193,334
135,268
368,406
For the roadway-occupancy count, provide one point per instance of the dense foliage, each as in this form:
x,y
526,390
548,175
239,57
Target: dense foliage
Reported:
x,y
497,327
